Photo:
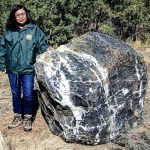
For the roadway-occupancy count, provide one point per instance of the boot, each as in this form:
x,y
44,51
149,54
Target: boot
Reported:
x,y
17,121
27,123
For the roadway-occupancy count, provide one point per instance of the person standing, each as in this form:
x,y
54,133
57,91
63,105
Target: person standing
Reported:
x,y
21,42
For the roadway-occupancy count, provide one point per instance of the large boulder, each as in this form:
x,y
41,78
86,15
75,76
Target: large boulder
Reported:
x,y
92,89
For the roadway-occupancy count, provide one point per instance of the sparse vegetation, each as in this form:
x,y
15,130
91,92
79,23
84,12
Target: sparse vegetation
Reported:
x,y
62,20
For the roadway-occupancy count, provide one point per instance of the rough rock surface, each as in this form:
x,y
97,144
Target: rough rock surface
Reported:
x,y
92,89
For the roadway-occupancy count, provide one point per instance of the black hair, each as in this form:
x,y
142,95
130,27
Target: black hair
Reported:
x,y
11,23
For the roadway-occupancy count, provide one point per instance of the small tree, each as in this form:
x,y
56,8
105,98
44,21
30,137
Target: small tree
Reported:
x,y
128,17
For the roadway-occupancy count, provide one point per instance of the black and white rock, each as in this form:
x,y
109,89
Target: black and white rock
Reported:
x,y
92,89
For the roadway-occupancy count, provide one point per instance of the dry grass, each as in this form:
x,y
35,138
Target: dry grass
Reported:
x,y
138,45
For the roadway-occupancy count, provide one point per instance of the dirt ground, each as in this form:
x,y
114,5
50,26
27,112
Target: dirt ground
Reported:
x,y
40,138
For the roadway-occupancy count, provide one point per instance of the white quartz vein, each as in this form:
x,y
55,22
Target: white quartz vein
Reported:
x,y
141,101
103,71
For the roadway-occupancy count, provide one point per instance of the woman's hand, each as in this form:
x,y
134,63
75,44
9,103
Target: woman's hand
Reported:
x,y
3,70
50,48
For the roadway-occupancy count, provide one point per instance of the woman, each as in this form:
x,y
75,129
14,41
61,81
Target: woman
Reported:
x,y
21,42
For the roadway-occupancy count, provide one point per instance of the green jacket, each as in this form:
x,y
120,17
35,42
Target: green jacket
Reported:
x,y
2,57
18,50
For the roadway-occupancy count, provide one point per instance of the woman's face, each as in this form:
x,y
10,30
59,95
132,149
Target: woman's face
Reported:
x,y
21,17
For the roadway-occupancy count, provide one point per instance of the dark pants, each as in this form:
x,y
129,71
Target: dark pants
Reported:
x,y
22,85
